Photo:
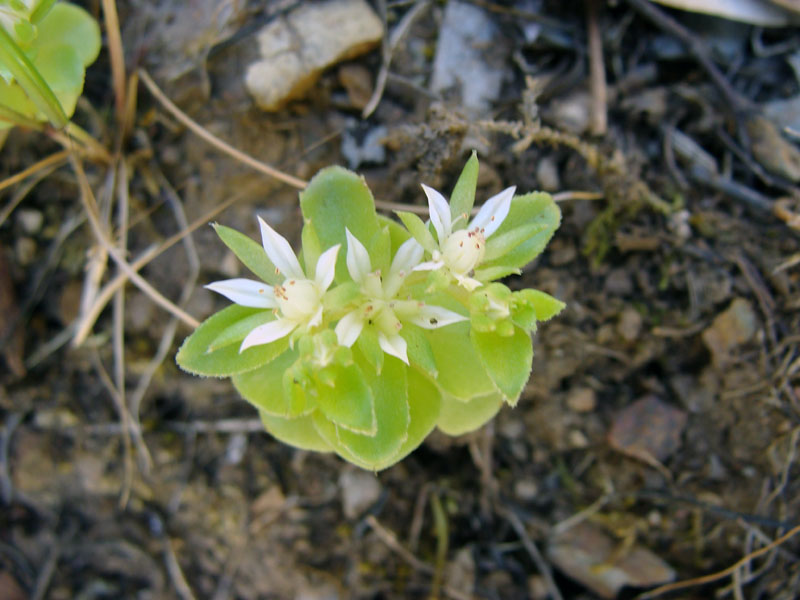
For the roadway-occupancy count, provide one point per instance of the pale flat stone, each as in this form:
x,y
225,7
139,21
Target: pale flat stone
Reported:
x,y
297,47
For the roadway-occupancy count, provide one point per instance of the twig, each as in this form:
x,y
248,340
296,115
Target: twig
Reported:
x,y
89,317
117,55
22,192
125,425
679,585
215,141
57,158
598,118
533,551
6,485
118,332
696,47
176,573
87,198
165,345
390,539
46,574
390,44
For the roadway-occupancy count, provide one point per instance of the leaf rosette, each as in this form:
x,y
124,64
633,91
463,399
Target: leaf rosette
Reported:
x,y
376,333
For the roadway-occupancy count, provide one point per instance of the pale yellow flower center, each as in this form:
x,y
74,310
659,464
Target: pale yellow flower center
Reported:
x,y
298,299
464,250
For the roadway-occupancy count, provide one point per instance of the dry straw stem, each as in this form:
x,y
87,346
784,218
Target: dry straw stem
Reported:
x,y
679,585
88,320
56,159
117,56
214,140
90,205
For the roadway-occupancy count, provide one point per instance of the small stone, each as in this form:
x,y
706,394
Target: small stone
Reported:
x,y
459,574
25,250
30,220
526,490
571,113
582,400
577,439
537,588
732,328
618,283
357,81
630,324
464,57
648,429
359,491
360,147
297,47
547,174
587,554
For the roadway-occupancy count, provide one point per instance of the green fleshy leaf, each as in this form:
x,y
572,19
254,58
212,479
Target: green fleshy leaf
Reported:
x,y
311,249
397,232
424,402
349,402
537,208
299,432
463,197
461,371
239,330
367,343
496,272
418,230
501,244
263,388
195,357
337,298
457,417
27,76
42,10
419,349
337,198
250,252
545,305
393,416
507,360
69,25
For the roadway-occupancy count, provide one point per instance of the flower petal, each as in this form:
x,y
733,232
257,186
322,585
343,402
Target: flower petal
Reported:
x,y
439,210
245,292
430,265
394,345
433,317
280,252
358,263
349,328
268,332
493,212
316,320
467,282
326,268
407,257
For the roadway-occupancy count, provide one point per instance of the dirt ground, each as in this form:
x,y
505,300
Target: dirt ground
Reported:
x,y
656,440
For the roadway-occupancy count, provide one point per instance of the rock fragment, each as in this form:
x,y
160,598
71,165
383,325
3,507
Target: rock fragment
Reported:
x,y
585,553
295,48
732,328
463,60
648,429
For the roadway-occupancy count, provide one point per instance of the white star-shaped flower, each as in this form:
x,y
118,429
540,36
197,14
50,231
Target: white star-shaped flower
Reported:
x,y
381,308
462,250
297,302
